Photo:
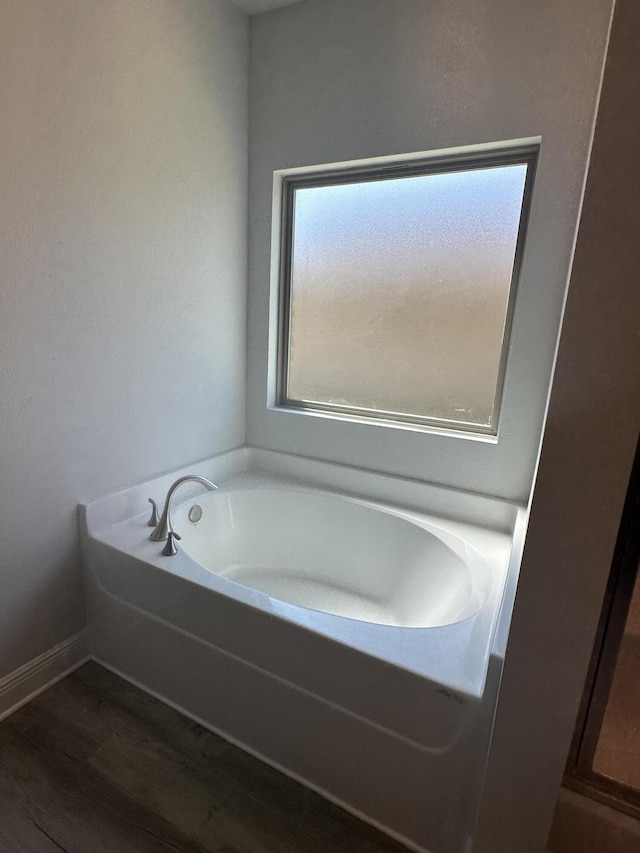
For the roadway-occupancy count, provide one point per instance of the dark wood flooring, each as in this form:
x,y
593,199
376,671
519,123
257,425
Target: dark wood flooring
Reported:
x,y
94,765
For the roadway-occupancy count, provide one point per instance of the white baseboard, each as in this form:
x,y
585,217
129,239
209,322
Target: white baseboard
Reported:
x,y
25,683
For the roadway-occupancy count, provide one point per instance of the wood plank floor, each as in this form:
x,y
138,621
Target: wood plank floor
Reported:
x,y
95,765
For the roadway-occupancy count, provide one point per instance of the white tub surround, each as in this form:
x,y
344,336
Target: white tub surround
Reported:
x,y
374,669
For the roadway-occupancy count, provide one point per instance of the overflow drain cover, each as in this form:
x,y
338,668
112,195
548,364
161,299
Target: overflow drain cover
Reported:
x,y
195,513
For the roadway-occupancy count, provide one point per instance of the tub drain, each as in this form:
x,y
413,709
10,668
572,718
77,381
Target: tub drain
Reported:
x,y
195,513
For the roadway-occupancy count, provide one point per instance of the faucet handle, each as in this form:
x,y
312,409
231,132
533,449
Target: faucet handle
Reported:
x,y
153,518
170,549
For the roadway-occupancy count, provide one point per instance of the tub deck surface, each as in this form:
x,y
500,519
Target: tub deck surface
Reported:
x,y
453,656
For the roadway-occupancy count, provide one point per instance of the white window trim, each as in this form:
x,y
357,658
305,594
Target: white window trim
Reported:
x,y
493,154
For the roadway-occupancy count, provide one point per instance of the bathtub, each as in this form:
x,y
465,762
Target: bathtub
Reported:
x,y
349,641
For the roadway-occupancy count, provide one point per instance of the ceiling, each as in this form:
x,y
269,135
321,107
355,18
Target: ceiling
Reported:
x,y
255,7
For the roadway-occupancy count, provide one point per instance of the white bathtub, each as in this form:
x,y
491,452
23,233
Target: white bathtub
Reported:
x,y
348,642
337,555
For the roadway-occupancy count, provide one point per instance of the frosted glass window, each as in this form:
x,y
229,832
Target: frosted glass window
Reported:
x,y
397,291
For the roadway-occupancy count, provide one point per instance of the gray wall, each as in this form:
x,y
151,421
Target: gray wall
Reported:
x,y
585,464
340,80
122,272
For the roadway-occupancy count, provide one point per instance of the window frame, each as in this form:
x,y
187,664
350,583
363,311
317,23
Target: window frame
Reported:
x,y
367,172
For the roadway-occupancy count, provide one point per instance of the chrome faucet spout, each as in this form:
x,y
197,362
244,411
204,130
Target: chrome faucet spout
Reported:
x,y
164,526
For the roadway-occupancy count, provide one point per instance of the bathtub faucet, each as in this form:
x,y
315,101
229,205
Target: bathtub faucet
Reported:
x,y
163,527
